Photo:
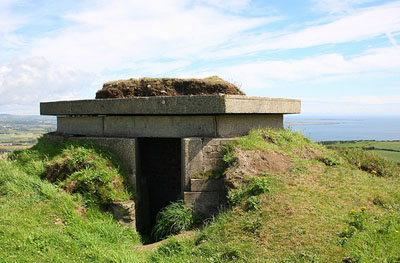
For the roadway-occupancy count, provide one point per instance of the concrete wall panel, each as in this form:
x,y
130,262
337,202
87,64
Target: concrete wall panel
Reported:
x,y
159,126
89,126
238,125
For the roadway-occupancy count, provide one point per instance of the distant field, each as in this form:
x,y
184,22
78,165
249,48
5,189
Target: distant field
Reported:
x,y
388,149
21,132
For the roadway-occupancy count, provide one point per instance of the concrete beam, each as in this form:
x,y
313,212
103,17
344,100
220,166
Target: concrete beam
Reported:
x,y
176,105
159,126
223,126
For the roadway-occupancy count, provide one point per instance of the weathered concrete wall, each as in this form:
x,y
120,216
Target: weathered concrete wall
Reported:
x,y
175,105
224,126
238,125
88,126
203,203
159,126
201,155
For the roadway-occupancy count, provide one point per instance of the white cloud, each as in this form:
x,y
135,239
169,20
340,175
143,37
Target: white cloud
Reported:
x,y
259,74
355,105
368,23
369,100
337,6
234,5
118,39
118,35
24,83
8,24
363,24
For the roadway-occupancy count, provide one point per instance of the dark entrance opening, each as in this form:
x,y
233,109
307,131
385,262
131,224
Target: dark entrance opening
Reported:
x,y
158,180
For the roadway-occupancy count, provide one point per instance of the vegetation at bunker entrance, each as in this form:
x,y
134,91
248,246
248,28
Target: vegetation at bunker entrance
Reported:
x,y
290,200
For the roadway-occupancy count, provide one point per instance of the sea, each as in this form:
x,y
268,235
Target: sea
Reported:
x,y
345,128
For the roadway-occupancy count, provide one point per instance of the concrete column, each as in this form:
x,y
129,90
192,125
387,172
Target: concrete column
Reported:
x,y
192,160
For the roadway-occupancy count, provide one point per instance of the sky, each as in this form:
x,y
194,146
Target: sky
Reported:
x,y
340,57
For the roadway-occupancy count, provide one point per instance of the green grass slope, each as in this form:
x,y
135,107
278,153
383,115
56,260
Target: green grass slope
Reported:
x,y
42,222
296,201
290,200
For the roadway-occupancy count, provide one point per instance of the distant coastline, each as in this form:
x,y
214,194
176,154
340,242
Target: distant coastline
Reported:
x,y
345,128
310,123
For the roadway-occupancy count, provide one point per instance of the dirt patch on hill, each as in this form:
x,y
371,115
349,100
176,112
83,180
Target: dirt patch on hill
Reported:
x,y
250,162
147,87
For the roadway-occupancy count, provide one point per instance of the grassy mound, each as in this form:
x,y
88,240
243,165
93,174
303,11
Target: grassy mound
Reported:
x,y
296,201
290,200
77,167
40,222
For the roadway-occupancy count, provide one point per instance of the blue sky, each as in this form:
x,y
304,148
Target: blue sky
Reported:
x,y
338,57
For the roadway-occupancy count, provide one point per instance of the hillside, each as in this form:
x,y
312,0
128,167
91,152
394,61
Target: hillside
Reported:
x,y
290,200
387,149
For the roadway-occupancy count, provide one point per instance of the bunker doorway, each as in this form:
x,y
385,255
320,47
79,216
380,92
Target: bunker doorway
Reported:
x,y
158,178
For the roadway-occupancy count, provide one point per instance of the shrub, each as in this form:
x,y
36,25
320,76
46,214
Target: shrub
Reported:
x,y
331,158
253,203
258,185
236,196
171,220
370,162
254,187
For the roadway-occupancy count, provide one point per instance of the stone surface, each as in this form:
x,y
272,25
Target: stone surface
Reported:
x,y
176,105
89,126
248,104
212,150
159,126
204,203
124,213
192,159
201,155
210,185
225,126
238,125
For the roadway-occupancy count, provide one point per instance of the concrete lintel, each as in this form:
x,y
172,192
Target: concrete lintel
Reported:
x,y
222,126
175,105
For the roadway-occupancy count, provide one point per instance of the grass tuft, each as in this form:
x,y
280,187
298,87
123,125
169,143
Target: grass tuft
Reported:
x,y
172,220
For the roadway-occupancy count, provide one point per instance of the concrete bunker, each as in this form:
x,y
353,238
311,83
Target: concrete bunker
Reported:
x,y
165,141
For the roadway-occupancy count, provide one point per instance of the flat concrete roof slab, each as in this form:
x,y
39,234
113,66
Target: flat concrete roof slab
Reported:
x,y
176,105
